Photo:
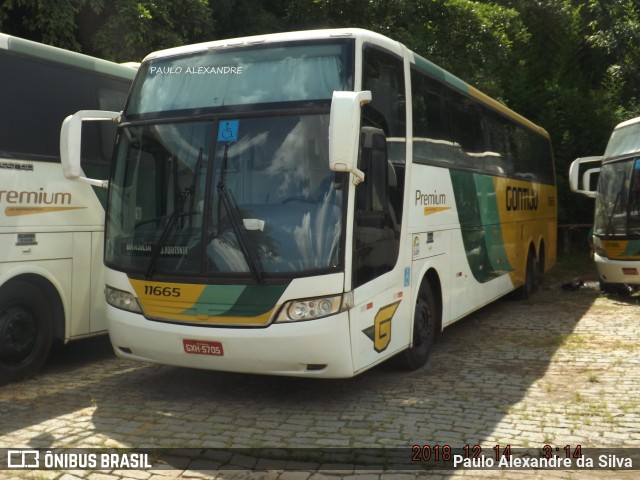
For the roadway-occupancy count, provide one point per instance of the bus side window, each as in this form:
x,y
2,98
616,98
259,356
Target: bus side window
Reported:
x,y
111,96
376,232
38,104
372,197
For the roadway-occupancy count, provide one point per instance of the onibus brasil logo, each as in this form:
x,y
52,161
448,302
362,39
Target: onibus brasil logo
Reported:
x,y
83,459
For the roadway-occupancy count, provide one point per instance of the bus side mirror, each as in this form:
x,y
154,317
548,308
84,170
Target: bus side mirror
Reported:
x,y
71,143
574,176
344,132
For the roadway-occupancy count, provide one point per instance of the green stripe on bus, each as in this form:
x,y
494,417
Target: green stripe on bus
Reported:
x,y
480,225
440,74
237,300
633,248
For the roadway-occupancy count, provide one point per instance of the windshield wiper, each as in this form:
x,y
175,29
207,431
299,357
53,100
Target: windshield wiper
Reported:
x,y
155,256
187,192
194,184
237,224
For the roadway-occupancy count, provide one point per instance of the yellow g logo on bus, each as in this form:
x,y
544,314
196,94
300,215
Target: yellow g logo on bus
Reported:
x,y
382,327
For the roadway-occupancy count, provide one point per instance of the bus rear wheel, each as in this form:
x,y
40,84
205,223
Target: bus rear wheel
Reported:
x,y
531,278
25,331
424,330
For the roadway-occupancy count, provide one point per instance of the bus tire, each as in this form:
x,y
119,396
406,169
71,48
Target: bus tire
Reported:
x,y
531,278
26,333
615,288
424,330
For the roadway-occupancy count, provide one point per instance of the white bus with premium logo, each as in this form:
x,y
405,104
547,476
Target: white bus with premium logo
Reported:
x,y
312,204
51,230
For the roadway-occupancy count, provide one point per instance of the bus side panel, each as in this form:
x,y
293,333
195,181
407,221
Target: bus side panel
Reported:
x,y
98,307
528,214
55,272
483,251
432,251
467,293
46,217
88,309
433,221
36,196
380,319
493,221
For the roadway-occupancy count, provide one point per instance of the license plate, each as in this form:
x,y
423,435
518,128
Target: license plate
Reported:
x,y
202,347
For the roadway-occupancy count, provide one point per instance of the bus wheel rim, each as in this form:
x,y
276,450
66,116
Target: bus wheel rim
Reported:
x,y
18,335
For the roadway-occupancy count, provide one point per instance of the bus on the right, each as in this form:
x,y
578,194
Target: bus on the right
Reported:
x,y
616,228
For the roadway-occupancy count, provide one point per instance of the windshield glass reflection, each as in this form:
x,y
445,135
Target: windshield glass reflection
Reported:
x,y
617,210
240,196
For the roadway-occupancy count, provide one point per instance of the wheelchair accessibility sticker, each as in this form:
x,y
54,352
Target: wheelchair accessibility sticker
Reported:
x,y
228,131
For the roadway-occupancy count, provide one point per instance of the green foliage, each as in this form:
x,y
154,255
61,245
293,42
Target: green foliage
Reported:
x,y
136,28
569,65
119,30
233,18
47,21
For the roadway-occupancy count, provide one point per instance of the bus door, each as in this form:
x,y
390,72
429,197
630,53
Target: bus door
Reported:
x,y
380,319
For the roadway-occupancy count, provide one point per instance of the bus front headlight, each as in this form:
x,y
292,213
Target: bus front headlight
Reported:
x,y
313,308
598,247
121,299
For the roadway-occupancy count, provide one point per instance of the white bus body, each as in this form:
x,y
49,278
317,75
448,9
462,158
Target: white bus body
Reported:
x,y
616,229
51,230
312,204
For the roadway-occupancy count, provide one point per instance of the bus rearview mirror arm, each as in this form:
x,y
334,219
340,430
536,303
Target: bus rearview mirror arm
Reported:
x,y
344,132
574,175
71,143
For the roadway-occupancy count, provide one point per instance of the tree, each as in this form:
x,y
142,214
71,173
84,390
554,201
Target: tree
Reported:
x,y
133,29
571,66
121,30
52,22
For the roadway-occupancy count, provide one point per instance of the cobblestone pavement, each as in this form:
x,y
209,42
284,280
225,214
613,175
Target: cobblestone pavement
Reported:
x,y
562,368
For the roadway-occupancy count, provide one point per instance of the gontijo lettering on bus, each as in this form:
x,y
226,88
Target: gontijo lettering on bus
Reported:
x,y
521,198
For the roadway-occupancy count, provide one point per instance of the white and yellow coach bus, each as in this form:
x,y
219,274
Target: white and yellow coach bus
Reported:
x,y
51,230
312,204
616,225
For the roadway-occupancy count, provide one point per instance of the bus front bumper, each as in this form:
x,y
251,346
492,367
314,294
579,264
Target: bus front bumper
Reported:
x,y
618,271
316,348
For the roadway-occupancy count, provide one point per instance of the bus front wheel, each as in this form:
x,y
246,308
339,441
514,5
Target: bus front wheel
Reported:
x,y
25,331
424,329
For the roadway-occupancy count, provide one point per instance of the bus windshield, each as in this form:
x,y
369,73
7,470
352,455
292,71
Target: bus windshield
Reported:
x,y
231,178
251,196
624,141
618,201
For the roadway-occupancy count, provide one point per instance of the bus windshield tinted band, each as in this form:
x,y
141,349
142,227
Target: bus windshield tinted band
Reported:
x,y
241,76
623,141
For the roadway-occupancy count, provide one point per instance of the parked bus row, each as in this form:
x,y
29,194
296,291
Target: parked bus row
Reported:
x,y
307,204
